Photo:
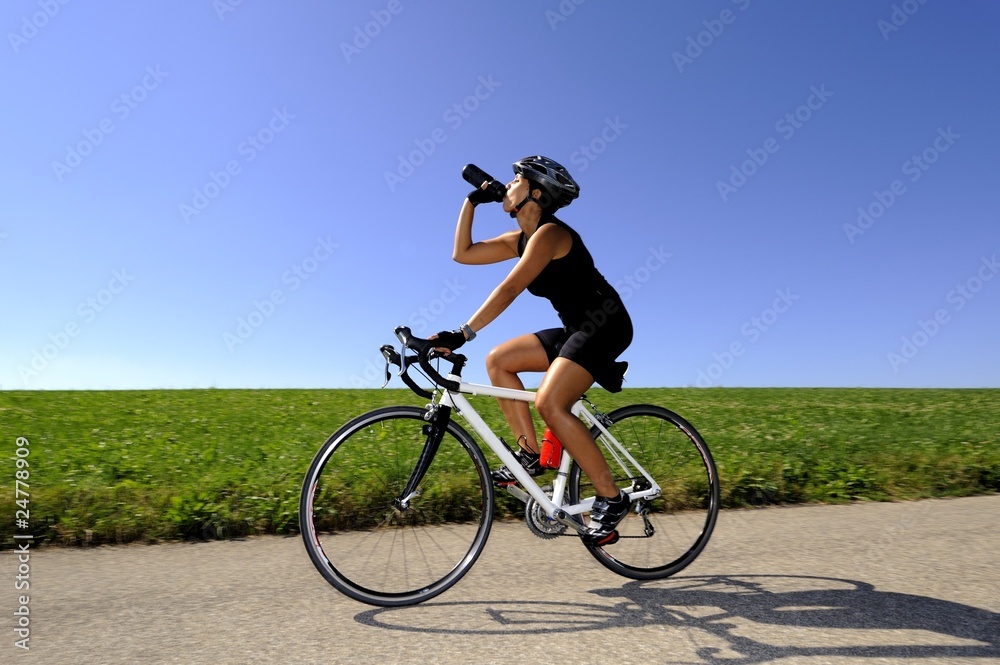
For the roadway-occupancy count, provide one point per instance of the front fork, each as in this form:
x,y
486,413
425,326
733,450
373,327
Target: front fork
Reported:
x,y
437,418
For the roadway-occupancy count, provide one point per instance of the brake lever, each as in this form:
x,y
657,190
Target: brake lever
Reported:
x,y
391,358
403,362
423,347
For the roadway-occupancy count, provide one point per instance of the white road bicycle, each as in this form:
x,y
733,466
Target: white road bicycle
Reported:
x,y
398,503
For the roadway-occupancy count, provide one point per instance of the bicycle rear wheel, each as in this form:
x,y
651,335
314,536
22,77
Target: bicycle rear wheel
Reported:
x,y
663,535
357,536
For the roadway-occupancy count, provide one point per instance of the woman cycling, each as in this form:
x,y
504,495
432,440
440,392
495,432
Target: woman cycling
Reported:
x,y
553,263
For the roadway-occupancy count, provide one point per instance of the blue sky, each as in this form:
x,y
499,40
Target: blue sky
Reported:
x,y
254,194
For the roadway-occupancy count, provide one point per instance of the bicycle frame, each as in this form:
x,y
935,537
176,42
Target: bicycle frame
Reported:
x,y
393,547
555,508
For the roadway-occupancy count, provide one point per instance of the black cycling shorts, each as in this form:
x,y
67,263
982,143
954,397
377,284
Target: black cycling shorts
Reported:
x,y
593,347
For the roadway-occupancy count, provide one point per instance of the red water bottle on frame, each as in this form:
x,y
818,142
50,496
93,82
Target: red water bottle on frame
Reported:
x,y
551,454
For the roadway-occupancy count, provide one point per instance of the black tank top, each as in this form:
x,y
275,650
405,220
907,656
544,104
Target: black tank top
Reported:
x,y
573,284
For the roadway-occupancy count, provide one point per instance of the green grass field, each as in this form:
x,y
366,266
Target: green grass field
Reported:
x,y
117,467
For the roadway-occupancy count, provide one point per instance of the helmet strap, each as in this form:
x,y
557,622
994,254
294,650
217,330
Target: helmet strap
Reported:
x,y
527,198
517,208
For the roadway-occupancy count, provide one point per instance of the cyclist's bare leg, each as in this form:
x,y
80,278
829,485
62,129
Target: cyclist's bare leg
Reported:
x,y
521,354
561,387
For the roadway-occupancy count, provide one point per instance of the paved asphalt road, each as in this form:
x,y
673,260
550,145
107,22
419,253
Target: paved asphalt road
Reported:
x,y
867,583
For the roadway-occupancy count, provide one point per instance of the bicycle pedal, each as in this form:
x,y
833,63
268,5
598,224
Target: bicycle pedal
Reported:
x,y
603,541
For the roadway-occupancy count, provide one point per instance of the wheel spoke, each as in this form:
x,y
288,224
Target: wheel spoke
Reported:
x,y
366,547
674,527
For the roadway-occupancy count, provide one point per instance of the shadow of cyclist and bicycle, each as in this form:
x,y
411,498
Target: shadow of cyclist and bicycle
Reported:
x,y
736,618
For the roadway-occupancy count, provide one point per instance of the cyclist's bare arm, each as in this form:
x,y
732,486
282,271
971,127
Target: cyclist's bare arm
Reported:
x,y
541,248
494,250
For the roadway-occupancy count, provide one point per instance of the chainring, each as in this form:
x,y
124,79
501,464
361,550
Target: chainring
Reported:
x,y
538,522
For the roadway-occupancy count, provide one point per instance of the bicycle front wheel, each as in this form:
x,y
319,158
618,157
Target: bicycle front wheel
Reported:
x,y
363,541
663,535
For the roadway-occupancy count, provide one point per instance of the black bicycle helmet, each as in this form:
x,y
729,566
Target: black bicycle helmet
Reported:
x,y
553,179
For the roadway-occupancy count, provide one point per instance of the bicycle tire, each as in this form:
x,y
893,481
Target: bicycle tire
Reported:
x,y
364,545
684,514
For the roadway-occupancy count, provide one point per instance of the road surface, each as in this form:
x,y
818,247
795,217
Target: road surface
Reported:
x,y
914,582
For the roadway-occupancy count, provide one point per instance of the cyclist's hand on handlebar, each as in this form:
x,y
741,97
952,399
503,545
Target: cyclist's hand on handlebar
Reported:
x,y
489,195
448,339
